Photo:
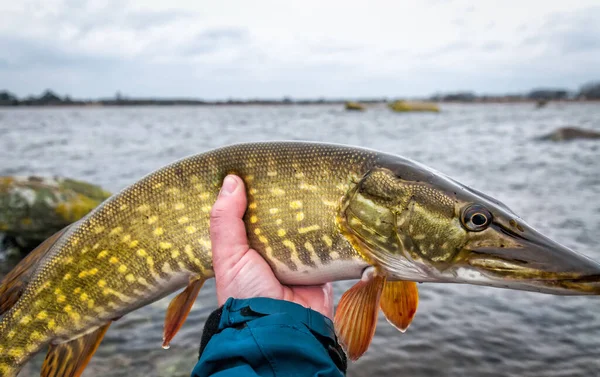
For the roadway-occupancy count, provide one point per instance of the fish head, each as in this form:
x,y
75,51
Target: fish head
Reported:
x,y
417,224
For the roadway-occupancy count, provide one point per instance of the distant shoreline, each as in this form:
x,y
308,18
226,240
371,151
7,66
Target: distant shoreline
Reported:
x,y
167,103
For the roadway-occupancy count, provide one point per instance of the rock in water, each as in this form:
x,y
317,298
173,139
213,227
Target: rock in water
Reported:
x,y
571,133
33,208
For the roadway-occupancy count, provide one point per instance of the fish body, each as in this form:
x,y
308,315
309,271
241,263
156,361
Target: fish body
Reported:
x,y
316,213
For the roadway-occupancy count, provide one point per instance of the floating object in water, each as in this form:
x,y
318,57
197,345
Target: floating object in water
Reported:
x,y
355,106
33,208
316,213
570,133
406,106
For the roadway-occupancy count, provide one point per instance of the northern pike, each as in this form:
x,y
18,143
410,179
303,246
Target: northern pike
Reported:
x,y
316,213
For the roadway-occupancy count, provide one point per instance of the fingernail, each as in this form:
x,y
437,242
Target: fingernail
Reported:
x,y
229,185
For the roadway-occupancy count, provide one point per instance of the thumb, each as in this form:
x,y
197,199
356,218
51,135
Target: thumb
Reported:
x,y
227,229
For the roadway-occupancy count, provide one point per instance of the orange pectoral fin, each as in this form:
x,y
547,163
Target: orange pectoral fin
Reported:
x,y
356,316
399,302
178,310
70,359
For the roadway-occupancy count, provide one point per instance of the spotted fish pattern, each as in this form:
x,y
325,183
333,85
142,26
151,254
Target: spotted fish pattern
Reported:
x,y
153,237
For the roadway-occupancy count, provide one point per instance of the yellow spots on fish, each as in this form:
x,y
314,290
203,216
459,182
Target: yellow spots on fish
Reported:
x,y
98,229
249,178
158,231
82,274
309,246
206,209
165,245
85,250
150,261
16,352
272,173
130,278
36,336
51,324
273,211
143,208
306,186
183,220
253,219
296,204
90,303
334,255
83,296
205,243
122,269
141,252
190,229
67,276
252,205
77,290
419,237
113,260
290,245
277,191
152,219
299,175
187,249
253,191
166,268
126,238
308,229
300,216
25,320
263,239
158,185
204,196
133,244
123,207
179,206
175,253
327,240
42,315
143,282
257,231
61,298
102,283
172,190
57,291
278,221
11,334
281,232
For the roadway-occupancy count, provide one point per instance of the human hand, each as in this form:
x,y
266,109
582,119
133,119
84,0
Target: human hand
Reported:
x,y
241,272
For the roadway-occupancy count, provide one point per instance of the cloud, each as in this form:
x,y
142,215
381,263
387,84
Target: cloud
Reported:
x,y
216,50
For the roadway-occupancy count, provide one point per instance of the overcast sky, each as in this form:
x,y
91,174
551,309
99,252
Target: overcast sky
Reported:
x,y
221,49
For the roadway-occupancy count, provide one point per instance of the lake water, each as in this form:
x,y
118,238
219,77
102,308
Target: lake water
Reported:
x,y
459,330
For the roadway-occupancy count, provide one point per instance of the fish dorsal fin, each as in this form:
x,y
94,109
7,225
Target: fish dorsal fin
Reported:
x,y
14,283
70,359
356,314
399,301
178,310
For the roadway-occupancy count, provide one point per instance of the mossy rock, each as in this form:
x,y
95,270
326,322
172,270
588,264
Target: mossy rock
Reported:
x,y
33,208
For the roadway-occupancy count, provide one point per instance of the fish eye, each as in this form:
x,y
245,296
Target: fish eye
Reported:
x,y
476,218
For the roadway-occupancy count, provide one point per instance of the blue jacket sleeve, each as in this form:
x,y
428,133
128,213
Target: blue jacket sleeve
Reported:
x,y
266,337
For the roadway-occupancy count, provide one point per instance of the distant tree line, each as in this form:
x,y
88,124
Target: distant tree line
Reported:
x,y
589,91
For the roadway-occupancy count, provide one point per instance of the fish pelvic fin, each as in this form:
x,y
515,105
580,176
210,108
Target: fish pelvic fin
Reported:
x,y
15,282
70,359
179,308
356,315
399,301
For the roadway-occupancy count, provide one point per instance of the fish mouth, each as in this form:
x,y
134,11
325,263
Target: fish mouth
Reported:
x,y
531,262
